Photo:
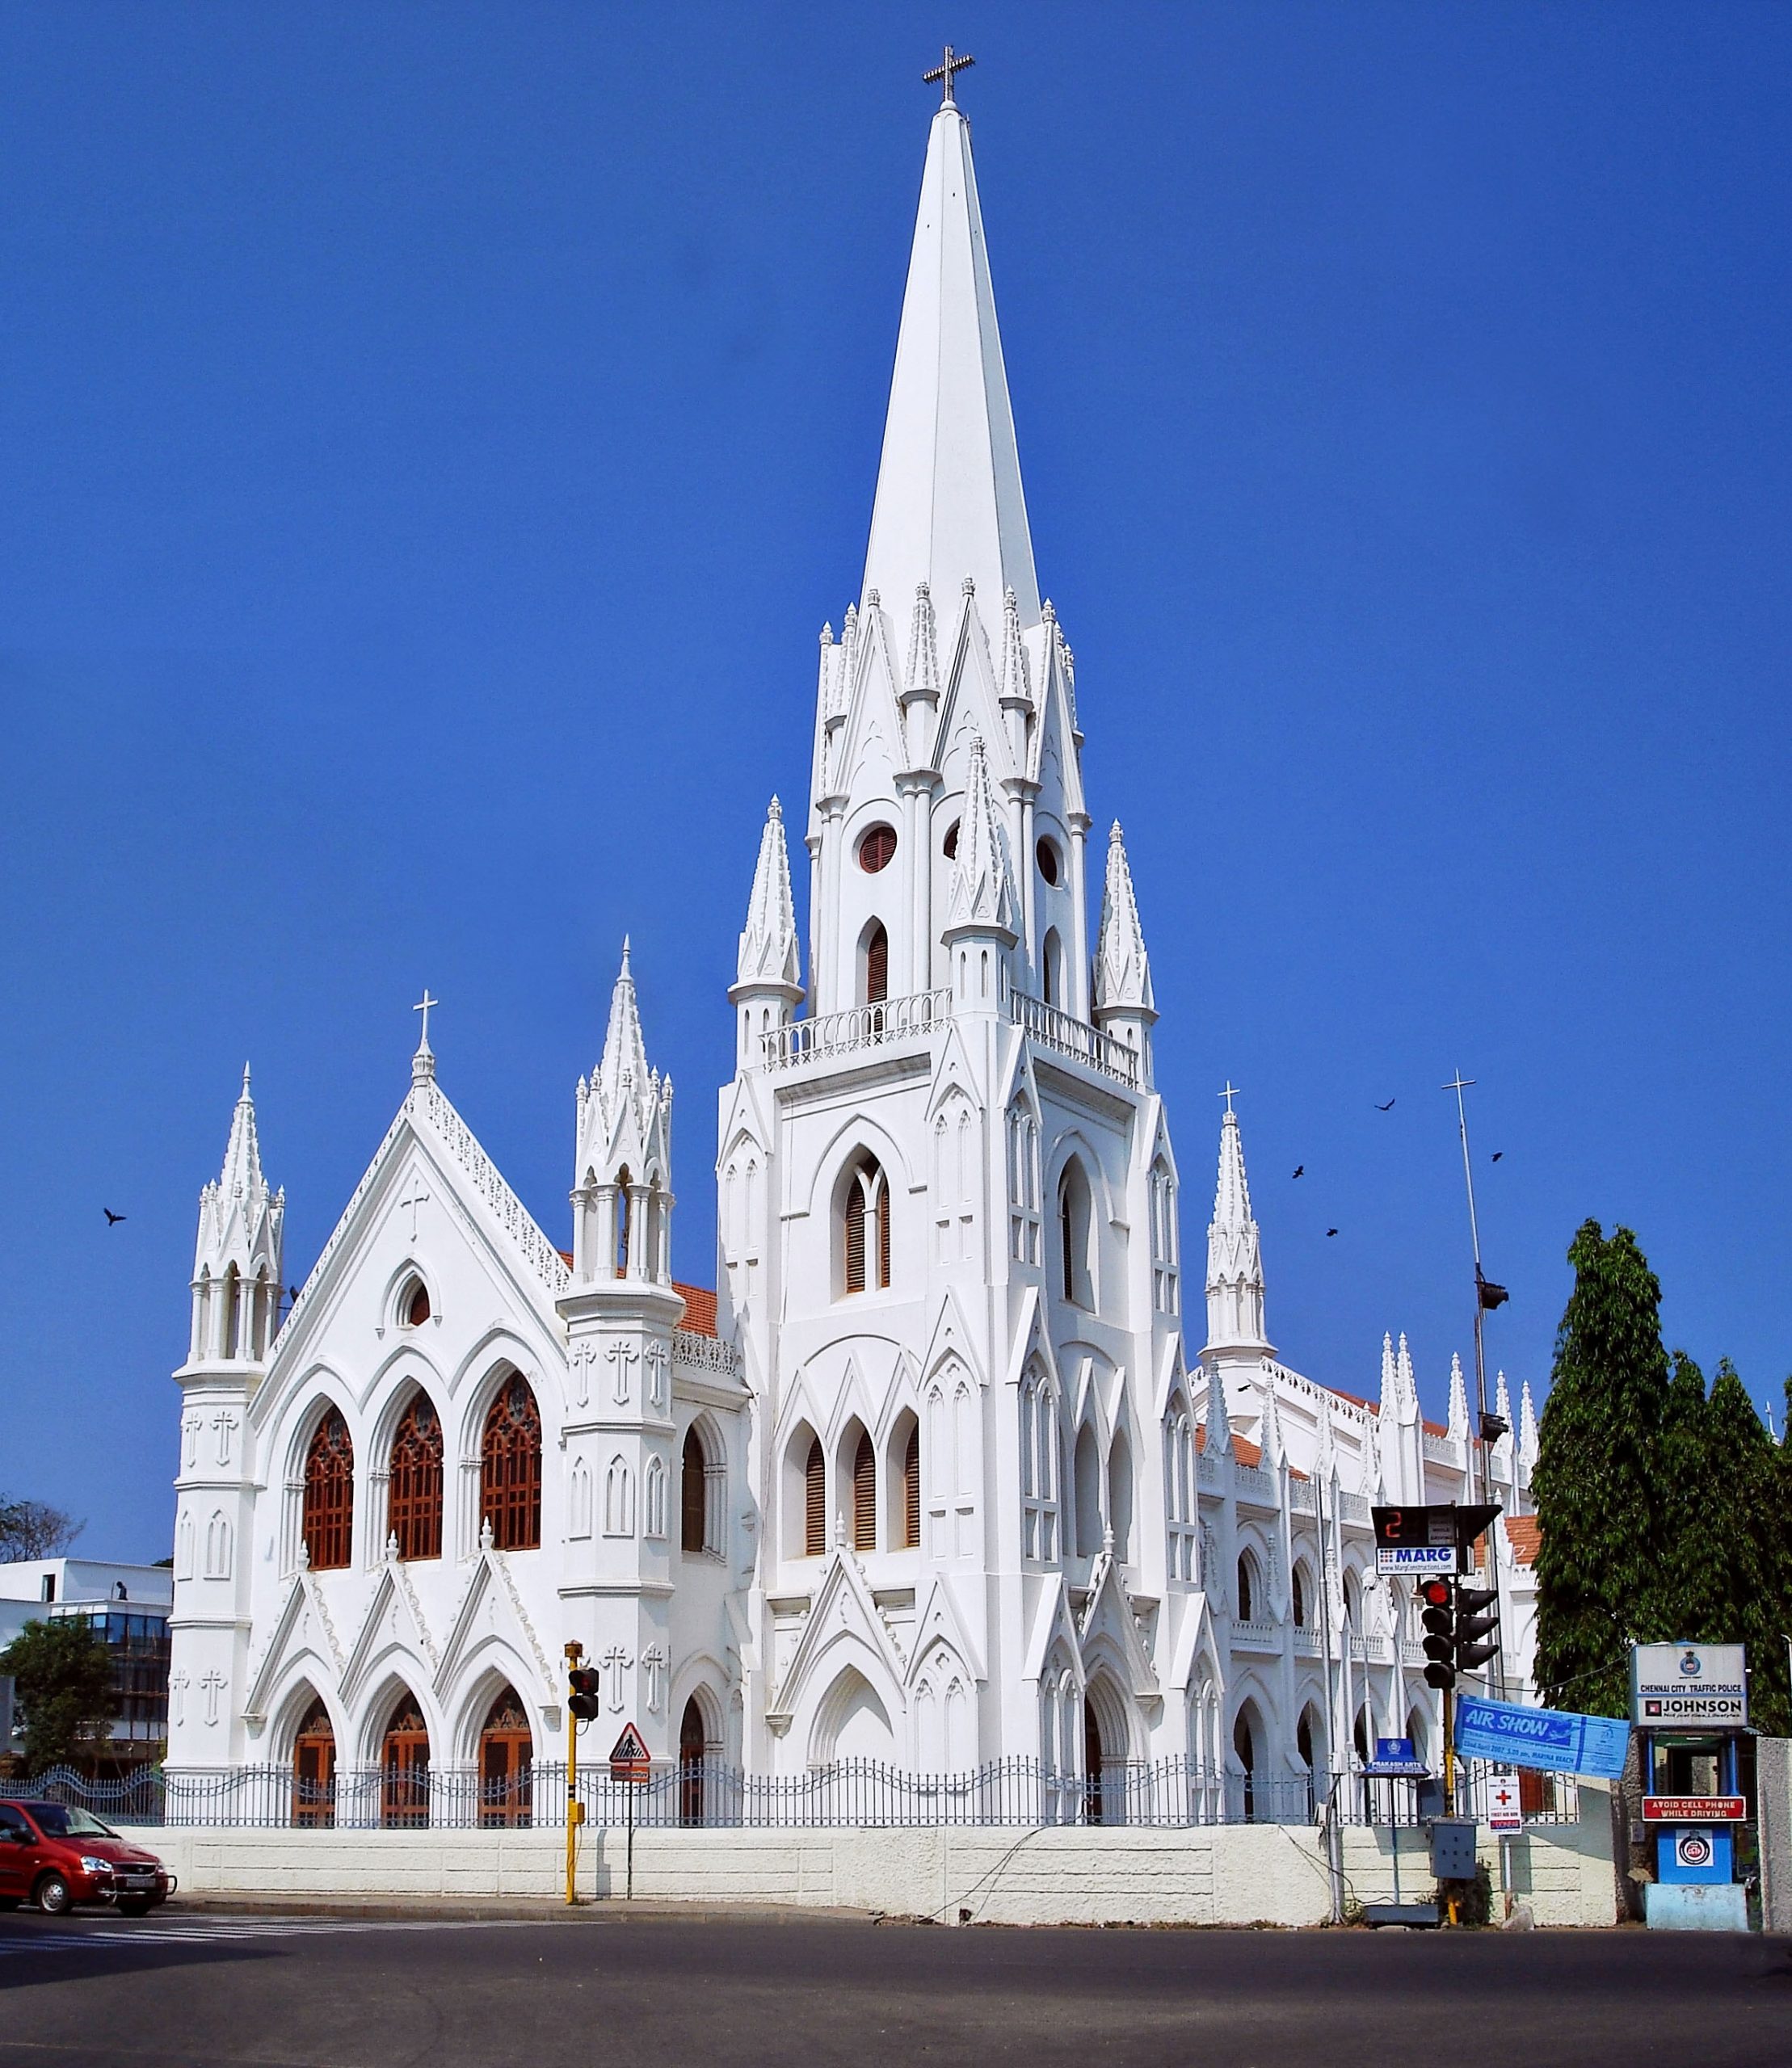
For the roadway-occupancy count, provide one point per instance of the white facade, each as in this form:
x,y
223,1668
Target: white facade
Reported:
x,y
942,1479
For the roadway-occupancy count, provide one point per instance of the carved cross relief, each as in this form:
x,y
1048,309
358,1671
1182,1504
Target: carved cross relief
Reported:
x,y
582,1359
622,1355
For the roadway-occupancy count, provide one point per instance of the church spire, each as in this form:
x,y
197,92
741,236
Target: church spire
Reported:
x,y
243,1153
768,943
948,501
625,1059
1122,969
237,1259
1234,1257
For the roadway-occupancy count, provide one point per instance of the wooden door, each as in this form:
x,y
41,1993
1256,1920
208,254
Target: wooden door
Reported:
x,y
506,1762
315,1769
404,1770
690,1764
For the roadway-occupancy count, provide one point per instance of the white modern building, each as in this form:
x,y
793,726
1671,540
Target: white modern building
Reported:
x,y
938,1474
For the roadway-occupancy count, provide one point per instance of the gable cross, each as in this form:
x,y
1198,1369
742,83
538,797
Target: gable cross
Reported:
x,y
414,1197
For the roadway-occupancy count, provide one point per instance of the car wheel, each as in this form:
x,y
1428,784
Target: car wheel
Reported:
x,y
52,1896
133,1905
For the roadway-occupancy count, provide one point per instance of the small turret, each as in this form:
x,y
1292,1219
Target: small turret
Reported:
x,y
981,913
1124,1006
1234,1260
768,985
622,1204
1527,1434
236,1260
1457,1428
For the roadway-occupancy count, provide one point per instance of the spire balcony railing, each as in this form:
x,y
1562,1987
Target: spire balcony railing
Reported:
x,y
877,1026
1054,1028
892,1020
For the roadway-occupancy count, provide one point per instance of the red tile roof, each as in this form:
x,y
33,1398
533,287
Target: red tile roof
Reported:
x,y
699,1302
699,1308
1525,1535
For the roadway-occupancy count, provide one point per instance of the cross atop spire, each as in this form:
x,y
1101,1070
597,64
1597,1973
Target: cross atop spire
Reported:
x,y
941,75
422,1064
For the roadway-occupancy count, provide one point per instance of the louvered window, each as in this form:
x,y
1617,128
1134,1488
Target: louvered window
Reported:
x,y
864,1496
509,1467
413,1499
855,1236
814,1491
314,1768
876,848
911,1490
328,1523
865,1230
877,966
404,1762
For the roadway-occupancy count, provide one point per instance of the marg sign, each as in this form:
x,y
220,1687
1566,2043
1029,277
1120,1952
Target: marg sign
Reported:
x,y
1557,1740
1689,1684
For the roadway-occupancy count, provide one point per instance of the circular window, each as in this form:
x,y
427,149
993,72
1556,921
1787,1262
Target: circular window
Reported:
x,y
876,848
950,846
1048,862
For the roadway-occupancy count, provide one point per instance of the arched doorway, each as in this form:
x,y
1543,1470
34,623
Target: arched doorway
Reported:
x,y
404,1767
692,1741
506,1762
1094,1773
1245,1746
314,1768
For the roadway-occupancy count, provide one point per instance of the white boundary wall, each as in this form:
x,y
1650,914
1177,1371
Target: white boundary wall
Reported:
x,y
1223,1874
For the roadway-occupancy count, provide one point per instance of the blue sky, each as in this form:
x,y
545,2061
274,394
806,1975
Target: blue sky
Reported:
x,y
433,437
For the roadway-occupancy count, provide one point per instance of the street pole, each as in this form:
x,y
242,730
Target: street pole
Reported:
x,y
574,1653
1477,1443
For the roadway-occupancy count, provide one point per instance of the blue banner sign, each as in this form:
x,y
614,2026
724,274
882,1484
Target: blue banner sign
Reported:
x,y
1557,1740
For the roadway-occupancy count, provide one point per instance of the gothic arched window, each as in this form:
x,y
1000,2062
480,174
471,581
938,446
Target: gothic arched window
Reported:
x,y
509,1467
693,1489
912,1490
877,965
864,1495
1051,967
814,1502
865,1221
413,1499
327,1525
413,1306
1248,1588
1074,1230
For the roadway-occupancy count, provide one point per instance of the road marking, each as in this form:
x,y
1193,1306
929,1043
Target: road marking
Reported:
x,y
184,1932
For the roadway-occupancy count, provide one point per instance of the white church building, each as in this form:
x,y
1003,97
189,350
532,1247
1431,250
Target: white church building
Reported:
x,y
956,1466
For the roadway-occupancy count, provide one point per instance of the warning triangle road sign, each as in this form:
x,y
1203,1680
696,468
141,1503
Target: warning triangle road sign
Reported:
x,y
630,1749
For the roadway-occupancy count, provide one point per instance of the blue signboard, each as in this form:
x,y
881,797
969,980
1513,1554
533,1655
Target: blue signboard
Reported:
x,y
1557,1740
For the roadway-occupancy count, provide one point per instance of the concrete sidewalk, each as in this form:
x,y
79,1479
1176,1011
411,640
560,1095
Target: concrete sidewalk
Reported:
x,y
482,1909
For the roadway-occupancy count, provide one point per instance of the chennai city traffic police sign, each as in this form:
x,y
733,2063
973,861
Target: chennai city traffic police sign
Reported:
x,y
1689,1684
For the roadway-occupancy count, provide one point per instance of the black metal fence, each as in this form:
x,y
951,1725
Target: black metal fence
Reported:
x,y
1018,1791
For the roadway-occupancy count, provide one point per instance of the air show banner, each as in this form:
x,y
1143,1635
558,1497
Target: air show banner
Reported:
x,y
1558,1741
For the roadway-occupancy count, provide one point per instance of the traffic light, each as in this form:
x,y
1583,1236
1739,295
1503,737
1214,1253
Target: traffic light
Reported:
x,y
582,1691
1439,1619
1477,1627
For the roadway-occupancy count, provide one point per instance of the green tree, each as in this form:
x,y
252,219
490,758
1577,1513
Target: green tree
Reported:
x,y
62,1674
1739,1497
1598,1481
1691,1563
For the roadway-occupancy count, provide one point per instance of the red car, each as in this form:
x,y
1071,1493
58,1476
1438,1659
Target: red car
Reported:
x,y
55,1857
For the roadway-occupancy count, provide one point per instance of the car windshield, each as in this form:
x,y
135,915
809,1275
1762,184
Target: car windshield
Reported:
x,y
57,1821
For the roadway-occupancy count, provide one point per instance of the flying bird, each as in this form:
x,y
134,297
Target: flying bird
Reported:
x,y
1300,1169
112,1219
1388,1108
1497,1154
1332,1231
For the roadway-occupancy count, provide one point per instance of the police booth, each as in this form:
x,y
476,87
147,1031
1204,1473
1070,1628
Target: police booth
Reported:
x,y
1690,1704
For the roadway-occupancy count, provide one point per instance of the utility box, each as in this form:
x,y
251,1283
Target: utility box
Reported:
x,y
1452,1848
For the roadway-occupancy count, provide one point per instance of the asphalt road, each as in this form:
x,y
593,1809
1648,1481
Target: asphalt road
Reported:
x,y
200,1990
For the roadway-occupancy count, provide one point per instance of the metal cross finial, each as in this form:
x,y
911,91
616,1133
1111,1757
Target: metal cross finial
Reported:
x,y
943,74
422,1006
1228,1094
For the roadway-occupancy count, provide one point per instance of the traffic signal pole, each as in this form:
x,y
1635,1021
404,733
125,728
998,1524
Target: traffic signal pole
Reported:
x,y
574,1653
